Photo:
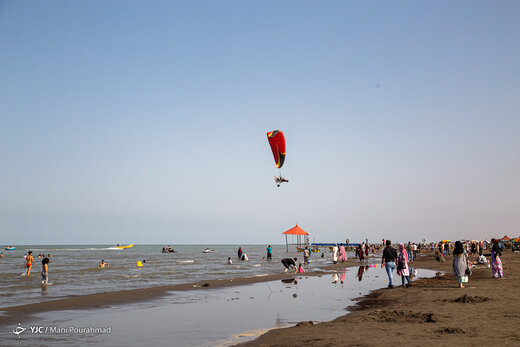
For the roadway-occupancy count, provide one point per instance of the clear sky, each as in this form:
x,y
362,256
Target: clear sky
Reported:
x,y
146,121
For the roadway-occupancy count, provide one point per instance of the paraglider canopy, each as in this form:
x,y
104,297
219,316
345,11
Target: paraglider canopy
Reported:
x,y
277,143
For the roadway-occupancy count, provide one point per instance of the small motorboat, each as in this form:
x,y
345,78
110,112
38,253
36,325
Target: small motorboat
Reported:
x,y
124,247
10,248
168,250
209,250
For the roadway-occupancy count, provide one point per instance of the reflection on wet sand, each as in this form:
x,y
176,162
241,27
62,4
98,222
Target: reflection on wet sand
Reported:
x,y
198,313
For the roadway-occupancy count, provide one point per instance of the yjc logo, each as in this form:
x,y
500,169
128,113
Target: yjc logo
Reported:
x,y
18,330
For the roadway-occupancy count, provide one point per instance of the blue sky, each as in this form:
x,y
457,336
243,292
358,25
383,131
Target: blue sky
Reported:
x,y
146,122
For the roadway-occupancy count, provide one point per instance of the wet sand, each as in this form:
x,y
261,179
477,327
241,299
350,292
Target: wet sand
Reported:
x,y
15,314
485,312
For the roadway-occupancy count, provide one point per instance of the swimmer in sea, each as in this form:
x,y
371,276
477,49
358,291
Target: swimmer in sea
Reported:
x,y
29,261
103,264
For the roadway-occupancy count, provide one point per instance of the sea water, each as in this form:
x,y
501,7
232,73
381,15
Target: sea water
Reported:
x,y
74,270
207,317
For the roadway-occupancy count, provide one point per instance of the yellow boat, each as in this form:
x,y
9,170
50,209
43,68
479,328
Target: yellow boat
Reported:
x,y
313,250
125,247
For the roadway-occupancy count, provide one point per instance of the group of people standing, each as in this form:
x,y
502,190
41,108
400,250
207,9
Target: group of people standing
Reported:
x,y
391,260
29,262
462,267
362,250
341,251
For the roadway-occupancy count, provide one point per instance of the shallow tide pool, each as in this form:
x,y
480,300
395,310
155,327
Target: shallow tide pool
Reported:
x,y
207,317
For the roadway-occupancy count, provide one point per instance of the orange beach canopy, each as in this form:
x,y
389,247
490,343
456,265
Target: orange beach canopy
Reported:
x,y
505,238
296,231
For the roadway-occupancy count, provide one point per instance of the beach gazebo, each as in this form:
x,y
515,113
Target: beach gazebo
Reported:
x,y
299,232
505,238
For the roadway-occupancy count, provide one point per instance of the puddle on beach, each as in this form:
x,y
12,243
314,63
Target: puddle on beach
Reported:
x,y
208,317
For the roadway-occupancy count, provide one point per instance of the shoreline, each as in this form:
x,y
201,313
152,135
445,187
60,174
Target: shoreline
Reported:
x,y
14,314
487,311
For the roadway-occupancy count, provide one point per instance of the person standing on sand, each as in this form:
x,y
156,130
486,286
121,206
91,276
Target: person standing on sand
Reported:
x,y
388,262
496,263
460,263
269,252
402,266
360,253
410,251
335,254
343,254
29,261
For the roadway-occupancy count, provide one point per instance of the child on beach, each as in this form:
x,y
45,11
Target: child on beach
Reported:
x,y
45,270
229,262
29,261
300,268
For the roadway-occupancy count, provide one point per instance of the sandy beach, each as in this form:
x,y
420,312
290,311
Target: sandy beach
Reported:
x,y
485,312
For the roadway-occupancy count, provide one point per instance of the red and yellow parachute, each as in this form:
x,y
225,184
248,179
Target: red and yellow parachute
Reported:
x,y
277,142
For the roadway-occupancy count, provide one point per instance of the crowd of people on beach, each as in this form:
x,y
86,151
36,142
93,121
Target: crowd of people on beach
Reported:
x,y
398,260
392,258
